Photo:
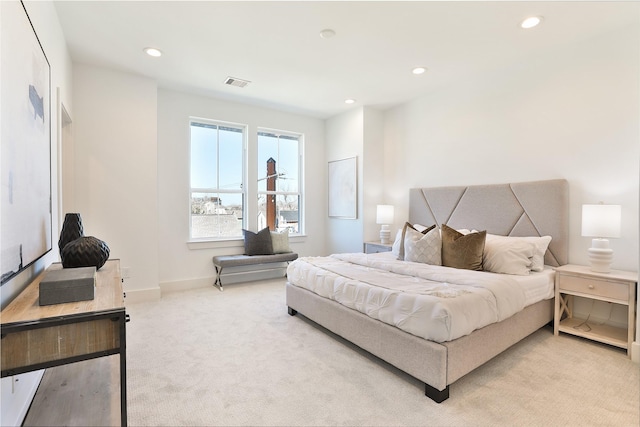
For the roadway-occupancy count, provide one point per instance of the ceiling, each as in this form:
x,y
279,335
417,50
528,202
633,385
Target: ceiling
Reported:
x,y
277,45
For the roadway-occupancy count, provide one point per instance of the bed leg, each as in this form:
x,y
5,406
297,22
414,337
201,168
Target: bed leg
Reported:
x,y
436,395
291,311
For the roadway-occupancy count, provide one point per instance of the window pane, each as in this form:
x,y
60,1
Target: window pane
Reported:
x,y
282,149
216,215
230,158
267,149
288,169
278,212
204,158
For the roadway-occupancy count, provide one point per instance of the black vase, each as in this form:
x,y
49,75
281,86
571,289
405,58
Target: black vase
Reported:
x,y
85,252
71,230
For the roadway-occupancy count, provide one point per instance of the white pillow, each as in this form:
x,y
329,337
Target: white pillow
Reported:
x,y
507,255
280,242
424,248
395,248
541,244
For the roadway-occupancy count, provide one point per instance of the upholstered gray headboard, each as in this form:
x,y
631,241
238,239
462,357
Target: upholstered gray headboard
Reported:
x,y
537,208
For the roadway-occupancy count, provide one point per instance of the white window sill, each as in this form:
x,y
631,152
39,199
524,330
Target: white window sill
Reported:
x,y
232,243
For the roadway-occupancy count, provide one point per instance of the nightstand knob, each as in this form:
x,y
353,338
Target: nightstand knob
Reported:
x,y
590,286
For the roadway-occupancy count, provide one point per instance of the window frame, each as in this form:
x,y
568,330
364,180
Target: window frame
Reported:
x,y
243,128
299,137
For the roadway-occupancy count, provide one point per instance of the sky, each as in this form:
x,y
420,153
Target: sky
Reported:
x,y
205,172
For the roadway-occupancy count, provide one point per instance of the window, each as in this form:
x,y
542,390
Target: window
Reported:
x,y
279,183
217,171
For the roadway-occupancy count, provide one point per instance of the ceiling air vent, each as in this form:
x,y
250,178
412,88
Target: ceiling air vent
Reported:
x,y
232,81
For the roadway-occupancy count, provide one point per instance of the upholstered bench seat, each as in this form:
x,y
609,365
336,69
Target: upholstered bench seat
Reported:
x,y
262,263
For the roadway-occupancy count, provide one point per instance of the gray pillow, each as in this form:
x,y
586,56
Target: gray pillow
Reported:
x,y
258,243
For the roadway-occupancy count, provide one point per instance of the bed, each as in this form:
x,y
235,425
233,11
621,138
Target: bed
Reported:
x,y
535,209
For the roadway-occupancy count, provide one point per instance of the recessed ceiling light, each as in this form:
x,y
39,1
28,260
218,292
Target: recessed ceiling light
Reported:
x,y
419,70
327,33
152,51
531,22
349,101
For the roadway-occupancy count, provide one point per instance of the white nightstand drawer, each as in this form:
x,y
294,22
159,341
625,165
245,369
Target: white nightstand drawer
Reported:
x,y
583,285
376,247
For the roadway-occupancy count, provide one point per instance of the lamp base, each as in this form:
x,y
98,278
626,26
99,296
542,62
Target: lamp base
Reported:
x,y
600,256
385,234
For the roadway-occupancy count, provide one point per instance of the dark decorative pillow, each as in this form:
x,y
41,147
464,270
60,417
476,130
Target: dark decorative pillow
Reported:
x,y
404,232
258,243
462,251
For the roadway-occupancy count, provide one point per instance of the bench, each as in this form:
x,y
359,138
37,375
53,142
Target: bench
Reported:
x,y
262,262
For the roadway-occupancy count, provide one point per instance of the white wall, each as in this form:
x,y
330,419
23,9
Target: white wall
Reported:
x,y
18,391
345,139
184,265
572,113
116,180
358,133
373,173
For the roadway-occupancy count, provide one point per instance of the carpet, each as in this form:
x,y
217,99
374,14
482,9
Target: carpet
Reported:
x,y
203,357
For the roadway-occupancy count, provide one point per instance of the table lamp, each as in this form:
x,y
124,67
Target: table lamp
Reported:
x,y
384,216
601,222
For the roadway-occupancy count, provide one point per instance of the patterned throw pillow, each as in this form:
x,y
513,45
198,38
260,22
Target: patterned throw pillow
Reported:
x,y
424,248
420,228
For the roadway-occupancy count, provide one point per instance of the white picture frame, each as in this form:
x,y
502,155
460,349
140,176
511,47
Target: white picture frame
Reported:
x,y
343,188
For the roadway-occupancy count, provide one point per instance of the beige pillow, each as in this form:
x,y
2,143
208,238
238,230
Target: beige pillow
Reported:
x,y
424,248
280,242
462,251
404,230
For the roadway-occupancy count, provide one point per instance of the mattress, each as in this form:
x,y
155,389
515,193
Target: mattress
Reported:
x,y
432,302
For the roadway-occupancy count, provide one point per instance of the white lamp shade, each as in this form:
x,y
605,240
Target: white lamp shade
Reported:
x,y
601,220
384,214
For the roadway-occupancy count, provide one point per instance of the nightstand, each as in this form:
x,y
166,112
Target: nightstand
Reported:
x,y
375,247
618,287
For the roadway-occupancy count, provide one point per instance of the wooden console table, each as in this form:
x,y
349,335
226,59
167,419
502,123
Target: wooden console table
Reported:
x,y
37,337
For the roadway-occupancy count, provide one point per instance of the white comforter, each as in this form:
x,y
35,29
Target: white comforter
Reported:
x,y
433,302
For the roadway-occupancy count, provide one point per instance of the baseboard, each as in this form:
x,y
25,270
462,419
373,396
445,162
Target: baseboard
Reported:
x,y
184,285
203,282
142,295
635,351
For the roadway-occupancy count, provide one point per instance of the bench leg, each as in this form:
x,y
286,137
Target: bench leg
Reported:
x,y
218,281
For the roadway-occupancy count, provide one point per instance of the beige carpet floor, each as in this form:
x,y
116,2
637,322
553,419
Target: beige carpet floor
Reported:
x,y
208,358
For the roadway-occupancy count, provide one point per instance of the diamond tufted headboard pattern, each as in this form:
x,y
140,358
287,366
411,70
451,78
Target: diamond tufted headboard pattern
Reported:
x,y
537,208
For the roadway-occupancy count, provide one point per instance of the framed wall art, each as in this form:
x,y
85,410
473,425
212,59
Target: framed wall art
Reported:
x,y
343,188
25,106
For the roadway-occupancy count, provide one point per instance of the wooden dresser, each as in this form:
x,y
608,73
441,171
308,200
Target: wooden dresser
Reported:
x,y
36,337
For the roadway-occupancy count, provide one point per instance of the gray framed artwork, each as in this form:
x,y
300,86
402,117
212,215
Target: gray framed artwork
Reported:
x,y
343,188
25,106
